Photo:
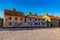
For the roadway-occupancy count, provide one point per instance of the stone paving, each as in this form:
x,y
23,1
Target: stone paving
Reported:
x,y
31,34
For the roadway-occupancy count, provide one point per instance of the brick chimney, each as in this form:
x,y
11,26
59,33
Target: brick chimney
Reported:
x,y
30,13
14,9
36,14
46,14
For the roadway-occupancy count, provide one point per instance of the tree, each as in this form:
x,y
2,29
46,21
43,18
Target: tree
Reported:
x,y
1,21
48,22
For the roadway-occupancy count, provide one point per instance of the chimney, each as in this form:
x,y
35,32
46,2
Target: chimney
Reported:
x,y
36,14
14,9
46,14
57,16
30,13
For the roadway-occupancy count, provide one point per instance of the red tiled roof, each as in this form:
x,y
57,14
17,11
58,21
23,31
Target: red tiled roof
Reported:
x,y
53,17
13,13
34,16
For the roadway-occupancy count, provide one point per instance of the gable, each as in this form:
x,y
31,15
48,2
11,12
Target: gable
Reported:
x,y
46,18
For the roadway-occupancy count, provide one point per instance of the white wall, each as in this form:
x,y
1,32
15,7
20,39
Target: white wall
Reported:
x,y
27,20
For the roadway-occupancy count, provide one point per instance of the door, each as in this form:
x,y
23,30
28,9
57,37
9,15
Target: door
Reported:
x,y
59,23
51,25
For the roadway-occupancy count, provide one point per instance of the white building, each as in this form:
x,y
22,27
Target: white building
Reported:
x,y
34,21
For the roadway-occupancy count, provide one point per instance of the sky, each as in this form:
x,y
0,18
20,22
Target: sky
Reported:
x,y
41,7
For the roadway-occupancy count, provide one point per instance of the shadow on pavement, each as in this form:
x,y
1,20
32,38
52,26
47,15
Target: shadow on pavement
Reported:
x,y
22,28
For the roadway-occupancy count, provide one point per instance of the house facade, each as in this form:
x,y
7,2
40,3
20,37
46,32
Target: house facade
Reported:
x,y
12,18
54,21
34,21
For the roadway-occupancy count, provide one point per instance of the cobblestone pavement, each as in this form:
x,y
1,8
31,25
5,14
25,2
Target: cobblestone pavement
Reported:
x,y
35,34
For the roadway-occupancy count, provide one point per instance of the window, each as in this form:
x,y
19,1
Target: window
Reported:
x,y
10,18
38,19
43,23
38,23
20,23
15,18
10,23
35,23
35,19
30,19
21,18
29,23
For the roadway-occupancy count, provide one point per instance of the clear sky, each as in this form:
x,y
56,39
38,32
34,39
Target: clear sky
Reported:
x,y
35,6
